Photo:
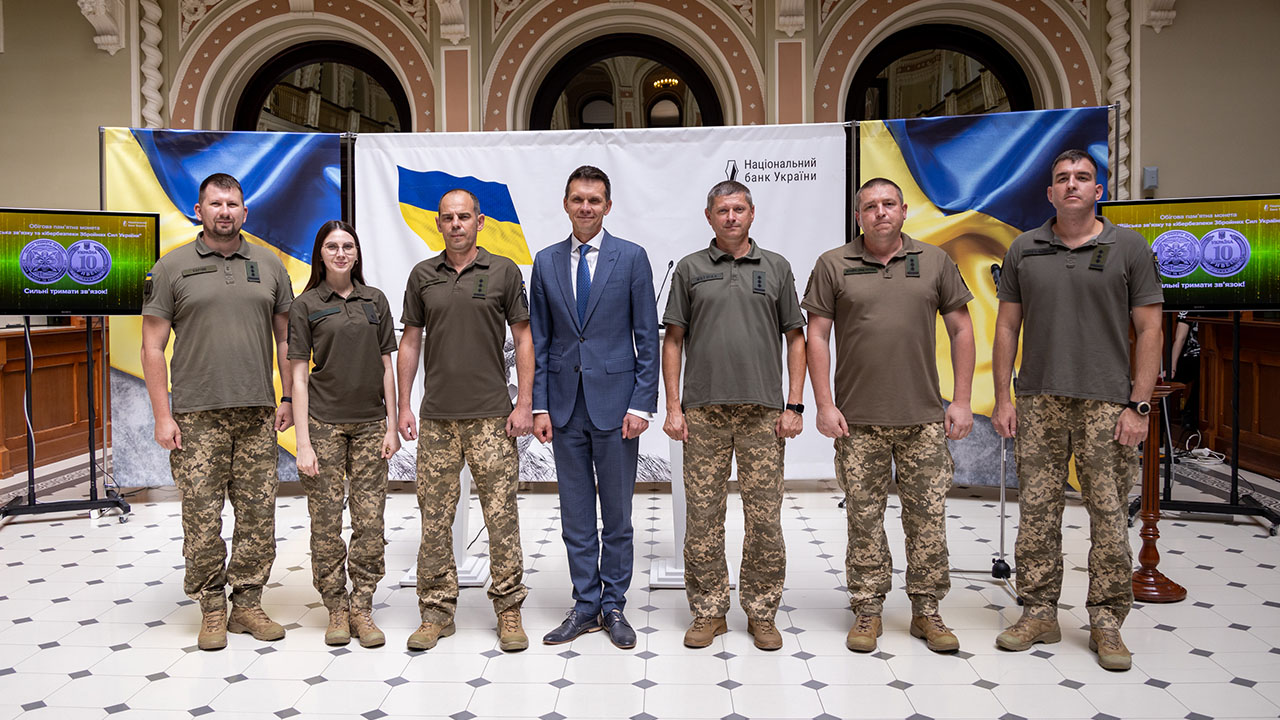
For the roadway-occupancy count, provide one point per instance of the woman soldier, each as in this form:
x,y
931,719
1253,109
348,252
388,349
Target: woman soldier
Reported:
x,y
349,402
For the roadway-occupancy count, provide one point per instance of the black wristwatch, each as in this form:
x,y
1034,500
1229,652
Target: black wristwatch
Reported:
x,y
1142,407
797,408
285,399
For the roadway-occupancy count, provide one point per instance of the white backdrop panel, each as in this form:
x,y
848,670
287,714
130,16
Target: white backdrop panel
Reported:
x,y
797,175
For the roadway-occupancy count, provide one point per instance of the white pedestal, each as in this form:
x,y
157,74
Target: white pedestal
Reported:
x,y
668,572
473,571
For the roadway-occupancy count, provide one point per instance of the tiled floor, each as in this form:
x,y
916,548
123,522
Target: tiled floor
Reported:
x,y
93,624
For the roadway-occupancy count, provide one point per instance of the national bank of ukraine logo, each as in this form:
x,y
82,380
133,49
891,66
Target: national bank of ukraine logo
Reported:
x,y
45,261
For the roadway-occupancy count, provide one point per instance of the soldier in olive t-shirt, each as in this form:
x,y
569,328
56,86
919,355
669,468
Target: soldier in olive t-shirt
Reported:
x,y
224,299
462,300
883,293
729,309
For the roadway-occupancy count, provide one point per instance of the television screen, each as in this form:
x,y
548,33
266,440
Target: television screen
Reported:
x,y
1213,253
75,262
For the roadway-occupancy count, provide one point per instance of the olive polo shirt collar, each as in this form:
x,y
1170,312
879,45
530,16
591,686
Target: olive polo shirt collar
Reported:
x,y
204,250
1045,234
481,260
857,249
359,291
718,255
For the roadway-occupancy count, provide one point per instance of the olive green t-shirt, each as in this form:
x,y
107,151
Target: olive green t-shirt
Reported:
x,y
346,339
462,313
885,321
221,310
1075,309
734,312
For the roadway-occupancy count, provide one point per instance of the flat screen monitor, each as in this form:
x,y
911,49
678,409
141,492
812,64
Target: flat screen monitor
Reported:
x,y
1217,253
75,262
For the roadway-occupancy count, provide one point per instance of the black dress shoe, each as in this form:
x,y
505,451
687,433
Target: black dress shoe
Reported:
x,y
575,624
620,632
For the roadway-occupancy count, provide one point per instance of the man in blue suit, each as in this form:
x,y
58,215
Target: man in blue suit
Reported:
x,y
595,389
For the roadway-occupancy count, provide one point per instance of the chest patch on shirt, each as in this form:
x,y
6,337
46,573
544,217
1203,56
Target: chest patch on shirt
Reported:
x,y
1030,252
758,282
913,266
705,277
199,270
482,285
1098,260
323,313
251,272
863,270
371,313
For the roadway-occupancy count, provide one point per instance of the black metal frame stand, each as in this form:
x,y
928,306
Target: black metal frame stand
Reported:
x,y
1236,503
31,507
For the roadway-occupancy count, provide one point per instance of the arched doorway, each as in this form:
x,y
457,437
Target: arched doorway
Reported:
x,y
582,59
324,86
930,70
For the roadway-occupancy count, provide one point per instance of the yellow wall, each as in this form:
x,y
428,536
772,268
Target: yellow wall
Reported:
x,y
1210,107
57,88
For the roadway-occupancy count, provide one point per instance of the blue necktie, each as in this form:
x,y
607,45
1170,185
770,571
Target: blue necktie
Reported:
x,y
584,283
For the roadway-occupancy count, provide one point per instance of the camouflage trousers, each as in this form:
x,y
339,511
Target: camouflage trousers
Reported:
x,y
1050,430
230,452
717,433
347,453
443,447
864,463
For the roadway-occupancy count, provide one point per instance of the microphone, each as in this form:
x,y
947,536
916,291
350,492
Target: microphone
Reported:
x,y
670,264
995,274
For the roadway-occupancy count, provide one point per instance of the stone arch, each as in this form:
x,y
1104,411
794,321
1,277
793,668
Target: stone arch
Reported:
x,y
547,33
229,47
1050,47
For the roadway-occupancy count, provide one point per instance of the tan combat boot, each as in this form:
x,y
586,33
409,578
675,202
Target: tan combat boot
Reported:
x,y
704,630
936,634
511,636
339,630
362,625
213,630
1111,650
254,621
429,633
1027,632
765,633
862,636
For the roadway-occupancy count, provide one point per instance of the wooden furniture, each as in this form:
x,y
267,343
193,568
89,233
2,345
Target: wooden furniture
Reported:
x,y
1149,584
59,396
1259,385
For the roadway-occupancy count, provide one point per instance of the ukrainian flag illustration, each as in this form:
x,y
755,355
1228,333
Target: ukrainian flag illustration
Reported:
x,y
420,194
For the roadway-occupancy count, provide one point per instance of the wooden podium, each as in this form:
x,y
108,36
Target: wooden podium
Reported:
x,y
1149,584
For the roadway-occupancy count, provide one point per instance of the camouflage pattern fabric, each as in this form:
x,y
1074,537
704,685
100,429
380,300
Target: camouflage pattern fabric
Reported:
x,y
350,451
229,452
716,433
443,447
924,469
1050,430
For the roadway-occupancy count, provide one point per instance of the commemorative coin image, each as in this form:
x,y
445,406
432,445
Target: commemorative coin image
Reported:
x,y
43,261
1224,252
1177,252
88,261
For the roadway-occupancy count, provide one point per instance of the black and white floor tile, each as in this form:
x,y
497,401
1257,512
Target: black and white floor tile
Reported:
x,y
93,624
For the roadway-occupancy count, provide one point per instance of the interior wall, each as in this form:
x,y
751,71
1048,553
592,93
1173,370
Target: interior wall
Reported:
x,y
58,88
1209,100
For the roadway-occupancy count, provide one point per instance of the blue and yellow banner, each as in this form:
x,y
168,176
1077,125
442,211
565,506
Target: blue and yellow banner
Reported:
x,y
420,194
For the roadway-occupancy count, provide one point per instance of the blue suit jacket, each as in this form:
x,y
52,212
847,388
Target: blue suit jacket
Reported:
x,y
614,352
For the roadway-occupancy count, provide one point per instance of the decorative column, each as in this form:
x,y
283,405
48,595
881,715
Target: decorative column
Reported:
x,y
1118,94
